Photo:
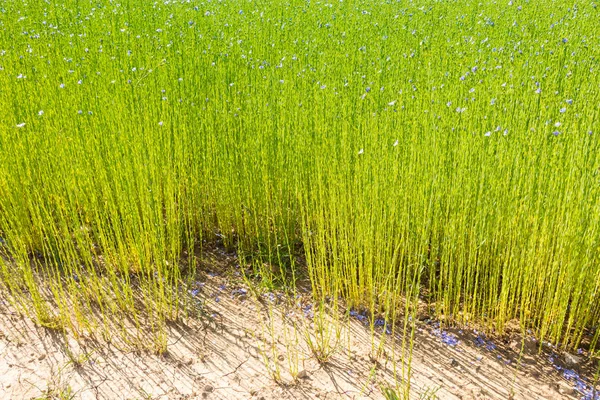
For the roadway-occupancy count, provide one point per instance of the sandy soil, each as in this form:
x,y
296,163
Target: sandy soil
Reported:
x,y
249,349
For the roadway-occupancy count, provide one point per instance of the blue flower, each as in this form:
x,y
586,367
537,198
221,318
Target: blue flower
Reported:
x,y
449,339
570,374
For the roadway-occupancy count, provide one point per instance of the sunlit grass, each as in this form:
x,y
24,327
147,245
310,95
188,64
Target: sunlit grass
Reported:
x,y
388,150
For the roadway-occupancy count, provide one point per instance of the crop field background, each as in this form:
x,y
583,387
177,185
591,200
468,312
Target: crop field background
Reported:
x,y
389,151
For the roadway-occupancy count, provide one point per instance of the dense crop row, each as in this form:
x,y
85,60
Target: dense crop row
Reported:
x,y
448,148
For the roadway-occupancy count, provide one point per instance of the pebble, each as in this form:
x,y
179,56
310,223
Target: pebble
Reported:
x,y
303,374
572,360
208,389
515,346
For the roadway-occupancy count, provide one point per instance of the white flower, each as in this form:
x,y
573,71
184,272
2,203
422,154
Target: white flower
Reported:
x,y
396,143
22,124
391,103
361,151
41,112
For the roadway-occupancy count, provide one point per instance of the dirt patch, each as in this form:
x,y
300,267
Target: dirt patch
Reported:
x,y
240,347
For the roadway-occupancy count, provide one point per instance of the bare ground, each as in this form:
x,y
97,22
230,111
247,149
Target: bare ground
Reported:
x,y
246,348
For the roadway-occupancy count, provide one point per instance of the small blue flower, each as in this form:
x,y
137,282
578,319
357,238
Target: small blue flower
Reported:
x,y
570,374
449,339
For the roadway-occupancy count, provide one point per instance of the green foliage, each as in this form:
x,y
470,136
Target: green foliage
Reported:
x,y
385,144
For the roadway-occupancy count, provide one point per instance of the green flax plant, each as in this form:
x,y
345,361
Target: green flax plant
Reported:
x,y
391,151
